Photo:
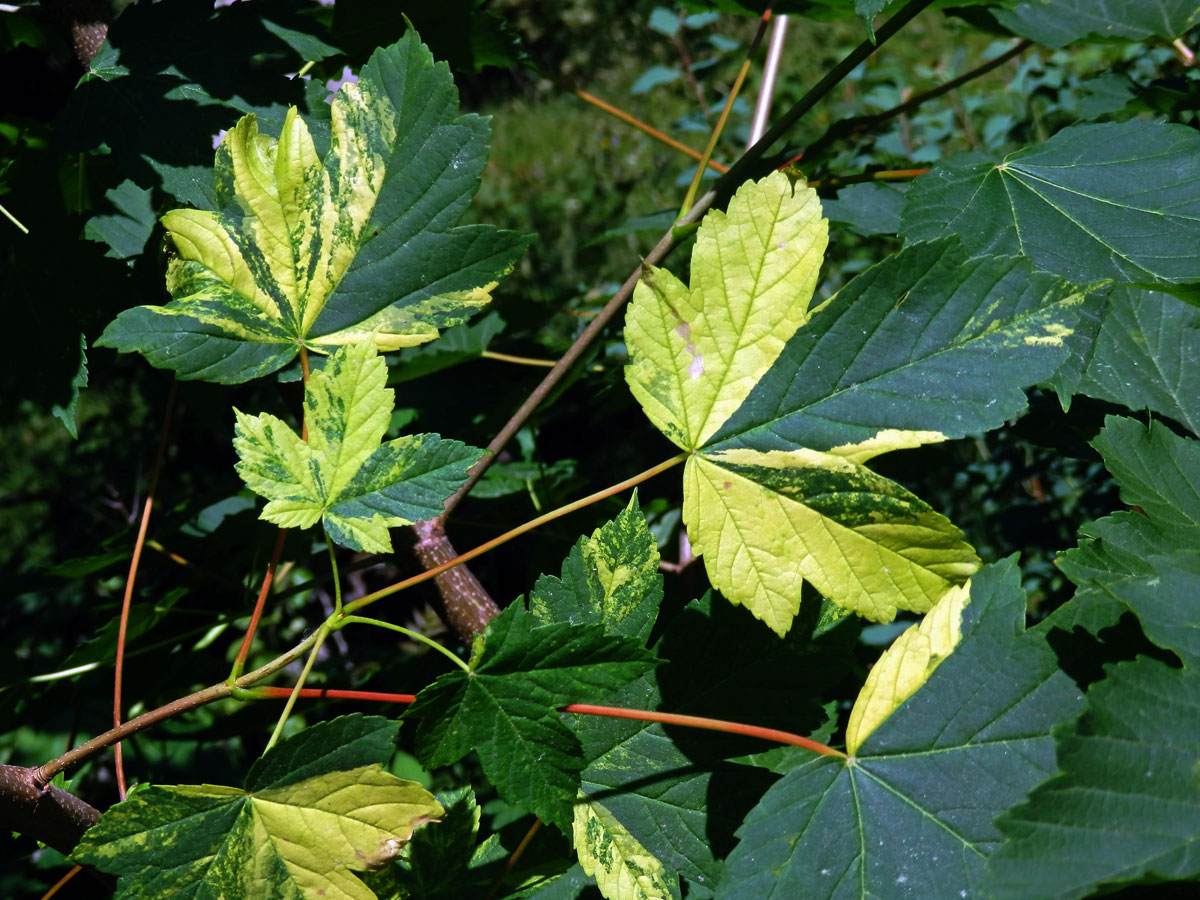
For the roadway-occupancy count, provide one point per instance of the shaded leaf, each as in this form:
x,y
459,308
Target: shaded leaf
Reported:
x,y
448,861
1147,355
156,101
465,33
342,475
1056,23
302,834
127,230
1158,474
1060,204
675,791
869,208
320,253
867,10
664,21
910,814
505,707
652,78
457,345
65,412
308,46
1125,805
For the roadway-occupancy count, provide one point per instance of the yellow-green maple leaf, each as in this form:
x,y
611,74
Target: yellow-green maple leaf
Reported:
x,y
781,406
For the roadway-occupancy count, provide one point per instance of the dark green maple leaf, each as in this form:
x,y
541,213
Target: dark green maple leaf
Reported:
x,y
1059,204
910,814
1125,804
1158,473
506,707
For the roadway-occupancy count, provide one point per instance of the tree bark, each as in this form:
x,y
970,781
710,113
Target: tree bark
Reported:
x,y
467,607
52,816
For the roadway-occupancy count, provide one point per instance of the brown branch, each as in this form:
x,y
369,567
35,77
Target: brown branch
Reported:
x,y
466,605
686,59
50,815
575,351
57,818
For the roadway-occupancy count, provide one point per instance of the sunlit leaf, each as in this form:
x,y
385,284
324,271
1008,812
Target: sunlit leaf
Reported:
x,y
781,409
301,828
623,868
610,578
315,252
342,476
906,665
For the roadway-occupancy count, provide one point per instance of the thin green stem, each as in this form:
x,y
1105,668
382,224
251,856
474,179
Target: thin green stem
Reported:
x,y
694,187
304,69
13,219
337,582
219,691
516,532
415,635
322,633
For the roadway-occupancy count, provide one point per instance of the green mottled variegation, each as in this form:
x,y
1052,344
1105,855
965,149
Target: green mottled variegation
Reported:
x,y
318,253
342,475
610,578
781,406
622,867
